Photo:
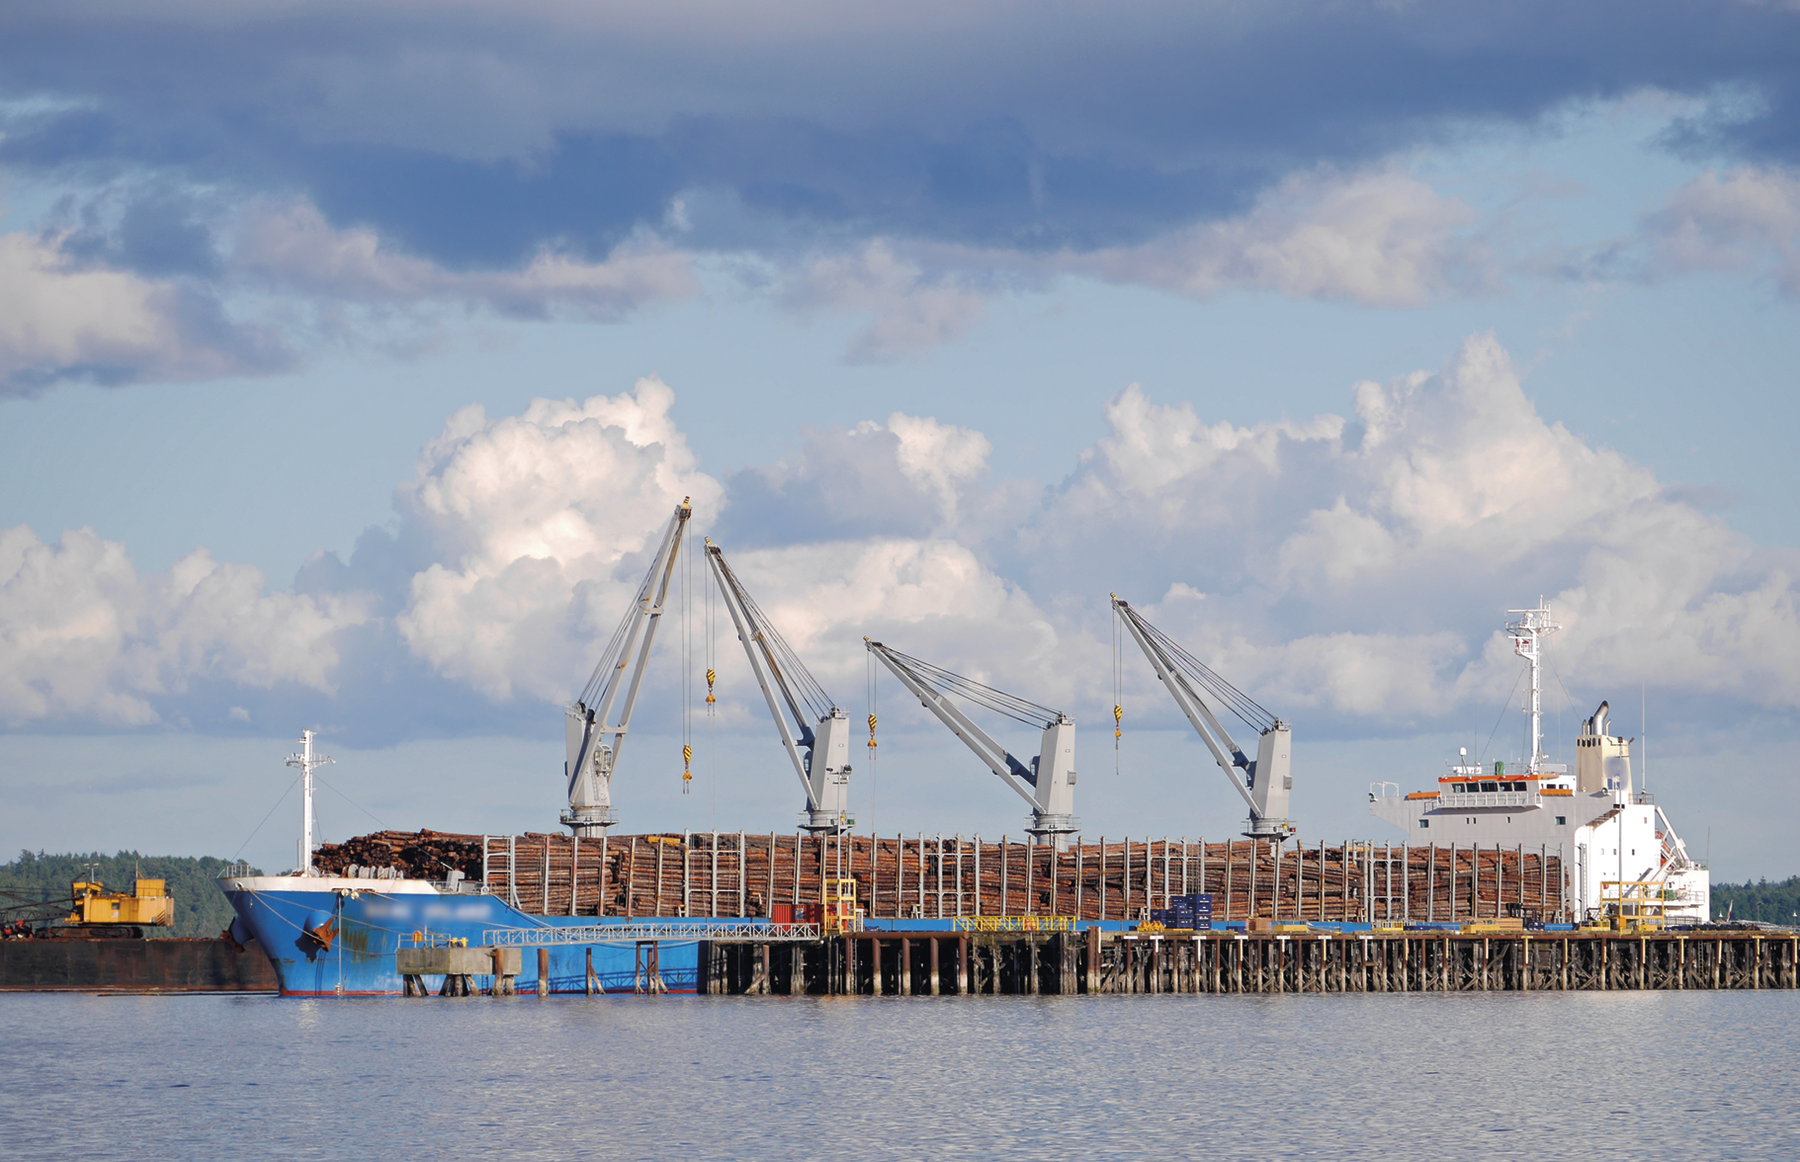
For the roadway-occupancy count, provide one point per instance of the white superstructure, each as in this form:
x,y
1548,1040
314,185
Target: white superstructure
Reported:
x,y
1615,843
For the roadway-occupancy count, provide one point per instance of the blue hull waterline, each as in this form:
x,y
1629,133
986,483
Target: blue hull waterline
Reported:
x,y
331,936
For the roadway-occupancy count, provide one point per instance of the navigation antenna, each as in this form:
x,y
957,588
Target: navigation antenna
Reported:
x,y
1527,634
306,760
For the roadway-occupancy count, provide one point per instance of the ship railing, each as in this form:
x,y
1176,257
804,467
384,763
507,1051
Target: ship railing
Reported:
x,y
743,931
463,888
1453,800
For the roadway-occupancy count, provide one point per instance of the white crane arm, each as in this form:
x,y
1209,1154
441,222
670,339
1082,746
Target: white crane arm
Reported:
x,y
591,760
1267,781
995,756
762,663
1198,713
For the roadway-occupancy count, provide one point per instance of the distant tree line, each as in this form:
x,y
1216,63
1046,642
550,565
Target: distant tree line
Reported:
x,y
200,908
1771,903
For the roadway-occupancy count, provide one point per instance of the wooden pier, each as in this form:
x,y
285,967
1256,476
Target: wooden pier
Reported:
x,y
935,963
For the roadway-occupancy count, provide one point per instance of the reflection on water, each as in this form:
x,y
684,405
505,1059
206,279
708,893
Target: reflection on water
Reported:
x,y
1621,1075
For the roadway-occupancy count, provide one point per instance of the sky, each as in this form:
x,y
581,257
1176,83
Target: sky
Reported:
x,y
353,359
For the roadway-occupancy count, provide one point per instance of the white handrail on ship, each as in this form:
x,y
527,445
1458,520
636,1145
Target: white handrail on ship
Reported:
x,y
761,932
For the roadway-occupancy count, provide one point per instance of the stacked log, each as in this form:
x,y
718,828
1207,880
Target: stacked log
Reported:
x,y
428,855
732,874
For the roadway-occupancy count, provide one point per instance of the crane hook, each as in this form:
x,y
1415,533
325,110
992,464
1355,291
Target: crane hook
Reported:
x,y
687,776
871,732
711,675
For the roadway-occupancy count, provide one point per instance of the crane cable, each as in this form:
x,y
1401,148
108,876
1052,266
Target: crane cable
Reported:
x,y
1118,691
1011,705
712,717
873,689
687,666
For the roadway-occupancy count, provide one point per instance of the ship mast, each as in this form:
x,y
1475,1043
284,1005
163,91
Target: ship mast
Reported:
x,y
1527,634
306,760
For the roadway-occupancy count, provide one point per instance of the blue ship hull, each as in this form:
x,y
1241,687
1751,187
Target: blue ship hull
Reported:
x,y
368,921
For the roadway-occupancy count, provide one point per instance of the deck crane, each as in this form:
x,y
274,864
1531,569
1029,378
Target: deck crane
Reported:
x,y
1048,784
824,769
592,759
1265,783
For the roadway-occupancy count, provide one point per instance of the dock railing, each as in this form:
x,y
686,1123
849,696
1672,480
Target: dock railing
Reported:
x,y
753,931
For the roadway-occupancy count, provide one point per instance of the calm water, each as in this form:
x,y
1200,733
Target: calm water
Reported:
x,y
1627,1076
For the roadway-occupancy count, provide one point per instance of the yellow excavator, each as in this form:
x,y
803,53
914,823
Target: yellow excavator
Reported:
x,y
97,913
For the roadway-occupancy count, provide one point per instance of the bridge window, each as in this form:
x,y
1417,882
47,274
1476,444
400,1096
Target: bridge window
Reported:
x,y
1424,823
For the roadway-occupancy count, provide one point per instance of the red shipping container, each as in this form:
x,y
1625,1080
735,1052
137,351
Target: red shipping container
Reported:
x,y
783,914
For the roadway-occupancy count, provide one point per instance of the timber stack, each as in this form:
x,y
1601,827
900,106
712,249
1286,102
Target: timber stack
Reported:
x,y
713,874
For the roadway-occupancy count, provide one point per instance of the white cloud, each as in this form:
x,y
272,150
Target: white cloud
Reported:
x,y
290,246
83,636
58,319
912,475
1406,534
532,518
928,597
941,458
1355,570
914,308
1744,219
1382,238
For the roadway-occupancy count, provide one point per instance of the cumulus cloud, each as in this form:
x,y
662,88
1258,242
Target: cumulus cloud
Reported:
x,y
539,524
912,475
60,319
83,636
928,597
1361,568
1351,572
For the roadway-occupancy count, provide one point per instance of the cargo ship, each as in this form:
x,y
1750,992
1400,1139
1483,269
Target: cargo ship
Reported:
x,y
347,932
595,910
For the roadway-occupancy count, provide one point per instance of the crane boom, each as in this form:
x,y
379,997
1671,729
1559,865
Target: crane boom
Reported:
x,y
591,758
1266,782
824,769
1048,784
